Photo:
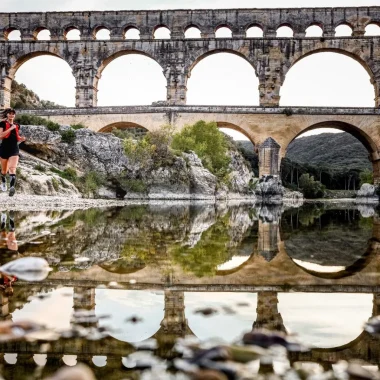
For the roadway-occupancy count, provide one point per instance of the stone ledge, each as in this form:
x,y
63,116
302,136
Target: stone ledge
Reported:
x,y
205,109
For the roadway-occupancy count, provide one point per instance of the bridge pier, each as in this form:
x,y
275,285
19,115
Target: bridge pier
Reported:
x,y
268,316
5,87
269,162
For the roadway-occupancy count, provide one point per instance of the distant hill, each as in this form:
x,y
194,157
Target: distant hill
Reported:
x,y
22,97
335,159
333,150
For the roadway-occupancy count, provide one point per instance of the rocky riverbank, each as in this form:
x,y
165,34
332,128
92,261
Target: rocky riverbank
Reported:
x,y
95,165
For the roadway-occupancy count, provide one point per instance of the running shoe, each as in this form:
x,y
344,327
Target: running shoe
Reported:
x,y
12,191
3,186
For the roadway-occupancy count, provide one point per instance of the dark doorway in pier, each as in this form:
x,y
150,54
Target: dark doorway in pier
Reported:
x,y
42,81
125,130
223,79
131,79
335,159
243,144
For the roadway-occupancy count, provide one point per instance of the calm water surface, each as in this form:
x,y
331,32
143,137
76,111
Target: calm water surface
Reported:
x,y
150,271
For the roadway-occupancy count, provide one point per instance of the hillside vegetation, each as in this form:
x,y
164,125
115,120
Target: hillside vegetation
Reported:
x,y
22,97
337,160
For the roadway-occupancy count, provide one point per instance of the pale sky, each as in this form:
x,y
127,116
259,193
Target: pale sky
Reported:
x,y
322,79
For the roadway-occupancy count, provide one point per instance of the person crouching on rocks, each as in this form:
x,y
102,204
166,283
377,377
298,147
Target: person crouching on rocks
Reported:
x,y
9,150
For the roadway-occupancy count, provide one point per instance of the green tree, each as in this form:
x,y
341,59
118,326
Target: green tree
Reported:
x,y
366,176
310,187
210,144
210,251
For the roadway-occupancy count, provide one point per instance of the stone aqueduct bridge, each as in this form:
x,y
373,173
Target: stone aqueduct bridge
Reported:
x,y
271,58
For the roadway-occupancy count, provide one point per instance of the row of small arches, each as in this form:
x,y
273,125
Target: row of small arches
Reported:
x,y
163,32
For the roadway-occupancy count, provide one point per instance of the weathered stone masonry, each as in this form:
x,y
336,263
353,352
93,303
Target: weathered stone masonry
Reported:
x,y
271,57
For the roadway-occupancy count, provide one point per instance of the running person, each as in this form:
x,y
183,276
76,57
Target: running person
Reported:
x,y
9,150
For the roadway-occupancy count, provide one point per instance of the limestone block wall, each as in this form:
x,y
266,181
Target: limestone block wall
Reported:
x,y
271,57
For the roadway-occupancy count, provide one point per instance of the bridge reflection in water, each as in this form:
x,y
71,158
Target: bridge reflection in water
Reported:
x,y
275,270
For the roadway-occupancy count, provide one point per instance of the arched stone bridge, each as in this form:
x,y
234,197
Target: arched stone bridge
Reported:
x,y
271,57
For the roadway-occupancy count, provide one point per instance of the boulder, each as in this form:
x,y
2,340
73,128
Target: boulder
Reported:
x,y
269,189
367,194
202,182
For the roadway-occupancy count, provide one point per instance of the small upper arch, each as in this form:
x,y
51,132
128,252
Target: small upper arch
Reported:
x,y
223,31
12,33
285,30
41,33
193,31
254,30
71,32
315,29
161,32
131,32
372,29
343,29
101,32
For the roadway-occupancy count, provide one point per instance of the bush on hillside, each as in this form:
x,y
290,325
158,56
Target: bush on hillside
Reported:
x,y
36,120
311,188
208,142
366,176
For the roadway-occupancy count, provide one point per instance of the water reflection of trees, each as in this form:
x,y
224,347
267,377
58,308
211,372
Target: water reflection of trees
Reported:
x,y
319,236
127,239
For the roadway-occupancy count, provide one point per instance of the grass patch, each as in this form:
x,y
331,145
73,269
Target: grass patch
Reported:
x,y
68,136
77,126
40,168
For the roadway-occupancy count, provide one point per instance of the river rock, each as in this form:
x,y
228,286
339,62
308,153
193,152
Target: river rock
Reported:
x,y
269,189
202,182
367,194
181,177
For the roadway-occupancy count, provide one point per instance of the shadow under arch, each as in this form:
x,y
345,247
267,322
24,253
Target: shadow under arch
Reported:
x,y
227,125
357,58
355,267
121,125
363,137
116,55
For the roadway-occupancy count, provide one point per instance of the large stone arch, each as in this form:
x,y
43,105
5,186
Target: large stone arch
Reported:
x,y
237,128
205,52
121,125
15,62
370,140
106,61
353,52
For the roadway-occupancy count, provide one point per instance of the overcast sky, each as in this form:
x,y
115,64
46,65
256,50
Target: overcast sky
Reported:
x,y
321,79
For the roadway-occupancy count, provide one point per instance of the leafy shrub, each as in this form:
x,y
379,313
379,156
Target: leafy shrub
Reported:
x,y
208,143
311,188
40,168
90,183
366,176
133,185
77,126
69,173
68,136
36,120
153,149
